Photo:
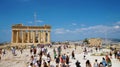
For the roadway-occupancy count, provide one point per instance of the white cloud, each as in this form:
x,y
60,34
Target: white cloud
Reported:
x,y
117,27
30,22
62,31
74,24
118,23
39,21
99,29
82,25
67,30
112,31
59,31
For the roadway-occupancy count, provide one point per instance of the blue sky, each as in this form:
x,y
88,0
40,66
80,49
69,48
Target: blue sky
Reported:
x,y
70,19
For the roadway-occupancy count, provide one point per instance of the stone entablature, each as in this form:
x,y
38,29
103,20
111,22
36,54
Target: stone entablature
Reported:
x,y
21,27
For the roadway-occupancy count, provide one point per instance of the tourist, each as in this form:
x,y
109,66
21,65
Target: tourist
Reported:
x,y
63,65
85,50
95,63
38,50
4,52
57,61
96,49
104,62
34,51
110,54
54,51
64,58
31,65
118,55
45,51
101,64
34,60
67,60
99,48
77,64
108,60
55,55
13,51
21,50
84,57
31,59
111,48
57,66
48,60
40,61
31,51
44,64
73,55
64,47
88,64
36,64
48,54
59,50
91,50
61,59
40,54
115,53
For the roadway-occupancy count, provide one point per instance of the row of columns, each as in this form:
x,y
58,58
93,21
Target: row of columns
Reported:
x,y
21,36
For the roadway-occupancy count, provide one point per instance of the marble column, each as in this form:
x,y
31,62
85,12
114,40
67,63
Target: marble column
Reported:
x,y
17,36
48,37
41,37
28,36
44,36
12,37
39,32
22,36
33,36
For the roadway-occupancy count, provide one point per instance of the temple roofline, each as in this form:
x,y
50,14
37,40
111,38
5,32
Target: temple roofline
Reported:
x,y
17,26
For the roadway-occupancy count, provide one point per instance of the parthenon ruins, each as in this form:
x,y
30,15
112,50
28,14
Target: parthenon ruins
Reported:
x,y
30,34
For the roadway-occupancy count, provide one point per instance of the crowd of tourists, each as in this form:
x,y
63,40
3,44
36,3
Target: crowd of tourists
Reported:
x,y
41,56
63,60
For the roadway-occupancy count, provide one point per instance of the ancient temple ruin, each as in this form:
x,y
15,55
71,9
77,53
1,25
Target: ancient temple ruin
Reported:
x,y
30,34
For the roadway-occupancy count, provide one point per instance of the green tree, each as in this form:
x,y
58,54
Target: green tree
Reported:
x,y
86,41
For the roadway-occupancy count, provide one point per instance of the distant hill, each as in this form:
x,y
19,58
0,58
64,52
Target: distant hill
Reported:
x,y
104,40
115,40
111,39
4,43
